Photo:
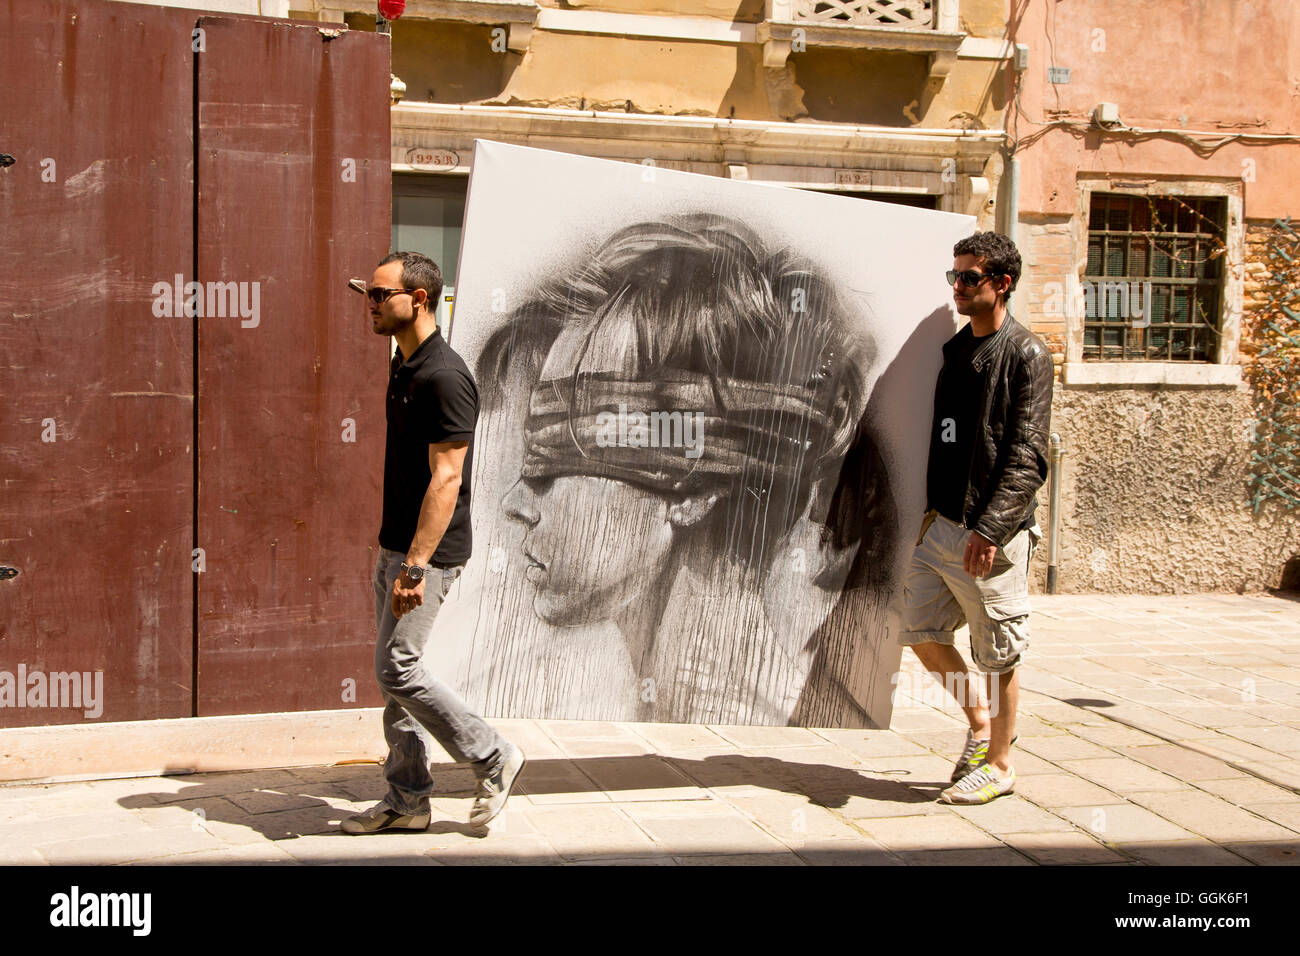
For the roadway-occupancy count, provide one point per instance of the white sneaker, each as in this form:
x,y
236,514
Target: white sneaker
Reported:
x,y
494,791
982,786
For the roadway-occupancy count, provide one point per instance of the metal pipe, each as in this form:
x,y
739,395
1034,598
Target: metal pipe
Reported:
x,y
1011,215
1054,529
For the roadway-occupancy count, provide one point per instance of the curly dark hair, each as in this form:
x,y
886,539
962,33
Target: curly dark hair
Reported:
x,y
998,252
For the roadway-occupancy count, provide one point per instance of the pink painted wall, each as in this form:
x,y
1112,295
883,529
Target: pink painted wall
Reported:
x,y
1206,65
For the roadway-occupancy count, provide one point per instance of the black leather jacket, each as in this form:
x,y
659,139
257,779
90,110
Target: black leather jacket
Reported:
x,y
1010,460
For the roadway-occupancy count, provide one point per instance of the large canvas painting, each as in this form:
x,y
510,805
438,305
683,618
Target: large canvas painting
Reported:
x,y
700,458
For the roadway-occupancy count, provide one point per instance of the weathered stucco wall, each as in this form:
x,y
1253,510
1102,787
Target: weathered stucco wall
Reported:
x,y
642,75
1216,66
452,62
1154,495
445,61
834,90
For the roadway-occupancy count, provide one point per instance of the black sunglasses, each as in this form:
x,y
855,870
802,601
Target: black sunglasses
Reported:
x,y
378,295
970,278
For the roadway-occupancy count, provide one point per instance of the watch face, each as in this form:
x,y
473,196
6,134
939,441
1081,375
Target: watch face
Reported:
x,y
415,573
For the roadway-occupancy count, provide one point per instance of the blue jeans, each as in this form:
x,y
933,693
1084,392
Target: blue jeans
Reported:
x,y
420,708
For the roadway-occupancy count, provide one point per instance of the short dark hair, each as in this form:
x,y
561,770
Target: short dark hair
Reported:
x,y
418,272
998,252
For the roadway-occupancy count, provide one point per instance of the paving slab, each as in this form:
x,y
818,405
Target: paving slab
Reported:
x,y
947,831
873,743
1182,762
1194,853
647,777
1054,790
1126,823
748,859
1122,775
1208,816
592,831
681,830
1066,849
1247,791
997,856
1268,854
1010,814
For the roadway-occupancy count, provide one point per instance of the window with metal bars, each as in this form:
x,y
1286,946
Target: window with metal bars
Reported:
x,y
1153,288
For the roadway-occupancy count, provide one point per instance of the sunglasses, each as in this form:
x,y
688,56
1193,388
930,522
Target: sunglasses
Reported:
x,y
969,277
377,295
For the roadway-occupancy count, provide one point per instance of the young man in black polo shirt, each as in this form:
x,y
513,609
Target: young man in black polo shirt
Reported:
x,y
424,544
988,457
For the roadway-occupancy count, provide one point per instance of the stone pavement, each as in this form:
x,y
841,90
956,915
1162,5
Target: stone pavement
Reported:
x,y
1152,731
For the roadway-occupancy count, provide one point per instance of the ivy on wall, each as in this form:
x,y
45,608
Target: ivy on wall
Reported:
x,y
1271,350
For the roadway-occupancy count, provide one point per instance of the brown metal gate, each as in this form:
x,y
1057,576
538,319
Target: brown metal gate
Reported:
x,y
103,498
294,192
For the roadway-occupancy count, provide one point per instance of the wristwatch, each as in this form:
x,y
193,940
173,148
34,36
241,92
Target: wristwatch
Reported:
x,y
414,572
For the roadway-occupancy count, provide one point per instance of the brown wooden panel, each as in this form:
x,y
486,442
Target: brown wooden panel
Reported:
x,y
289,511
97,105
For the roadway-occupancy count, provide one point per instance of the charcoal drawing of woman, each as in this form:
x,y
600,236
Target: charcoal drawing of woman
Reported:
x,y
694,392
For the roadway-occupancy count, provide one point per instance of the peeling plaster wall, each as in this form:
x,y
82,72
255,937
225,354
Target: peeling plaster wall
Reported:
x,y
984,18
836,90
444,61
1154,495
670,77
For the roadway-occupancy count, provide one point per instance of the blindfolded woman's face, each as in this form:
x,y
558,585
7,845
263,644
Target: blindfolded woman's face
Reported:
x,y
593,545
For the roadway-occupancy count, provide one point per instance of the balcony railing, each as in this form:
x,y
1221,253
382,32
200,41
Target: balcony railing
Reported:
x,y
931,27
906,14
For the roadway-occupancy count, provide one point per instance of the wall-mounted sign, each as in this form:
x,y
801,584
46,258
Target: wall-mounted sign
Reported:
x,y
1058,74
437,159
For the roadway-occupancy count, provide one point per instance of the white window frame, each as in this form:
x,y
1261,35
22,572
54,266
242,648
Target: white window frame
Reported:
x,y
1224,370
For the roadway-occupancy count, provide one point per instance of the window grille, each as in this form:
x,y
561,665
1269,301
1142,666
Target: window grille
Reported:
x,y
1153,287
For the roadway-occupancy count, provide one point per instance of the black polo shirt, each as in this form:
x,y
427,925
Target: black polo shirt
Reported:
x,y
432,398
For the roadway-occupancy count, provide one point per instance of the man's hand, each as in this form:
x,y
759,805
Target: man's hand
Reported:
x,y
406,598
979,555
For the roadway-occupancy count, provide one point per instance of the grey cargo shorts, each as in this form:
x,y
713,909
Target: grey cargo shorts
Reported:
x,y
939,596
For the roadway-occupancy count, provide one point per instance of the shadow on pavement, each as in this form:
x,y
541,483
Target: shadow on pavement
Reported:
x,y
283,805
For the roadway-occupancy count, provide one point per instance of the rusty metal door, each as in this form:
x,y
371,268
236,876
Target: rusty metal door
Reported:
x,y
97,419
294,198
116,486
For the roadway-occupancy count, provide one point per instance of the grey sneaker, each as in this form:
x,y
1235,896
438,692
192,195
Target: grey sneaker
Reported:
x,y
973,756
494,791
982,786
383,817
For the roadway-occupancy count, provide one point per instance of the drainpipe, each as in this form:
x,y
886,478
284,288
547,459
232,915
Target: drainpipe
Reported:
x,y
1011,219
1054,532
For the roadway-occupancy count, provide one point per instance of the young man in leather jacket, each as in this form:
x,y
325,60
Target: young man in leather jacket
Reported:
x,y
988,457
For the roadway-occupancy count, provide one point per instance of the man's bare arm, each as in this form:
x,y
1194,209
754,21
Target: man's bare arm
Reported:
x,y
446,463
